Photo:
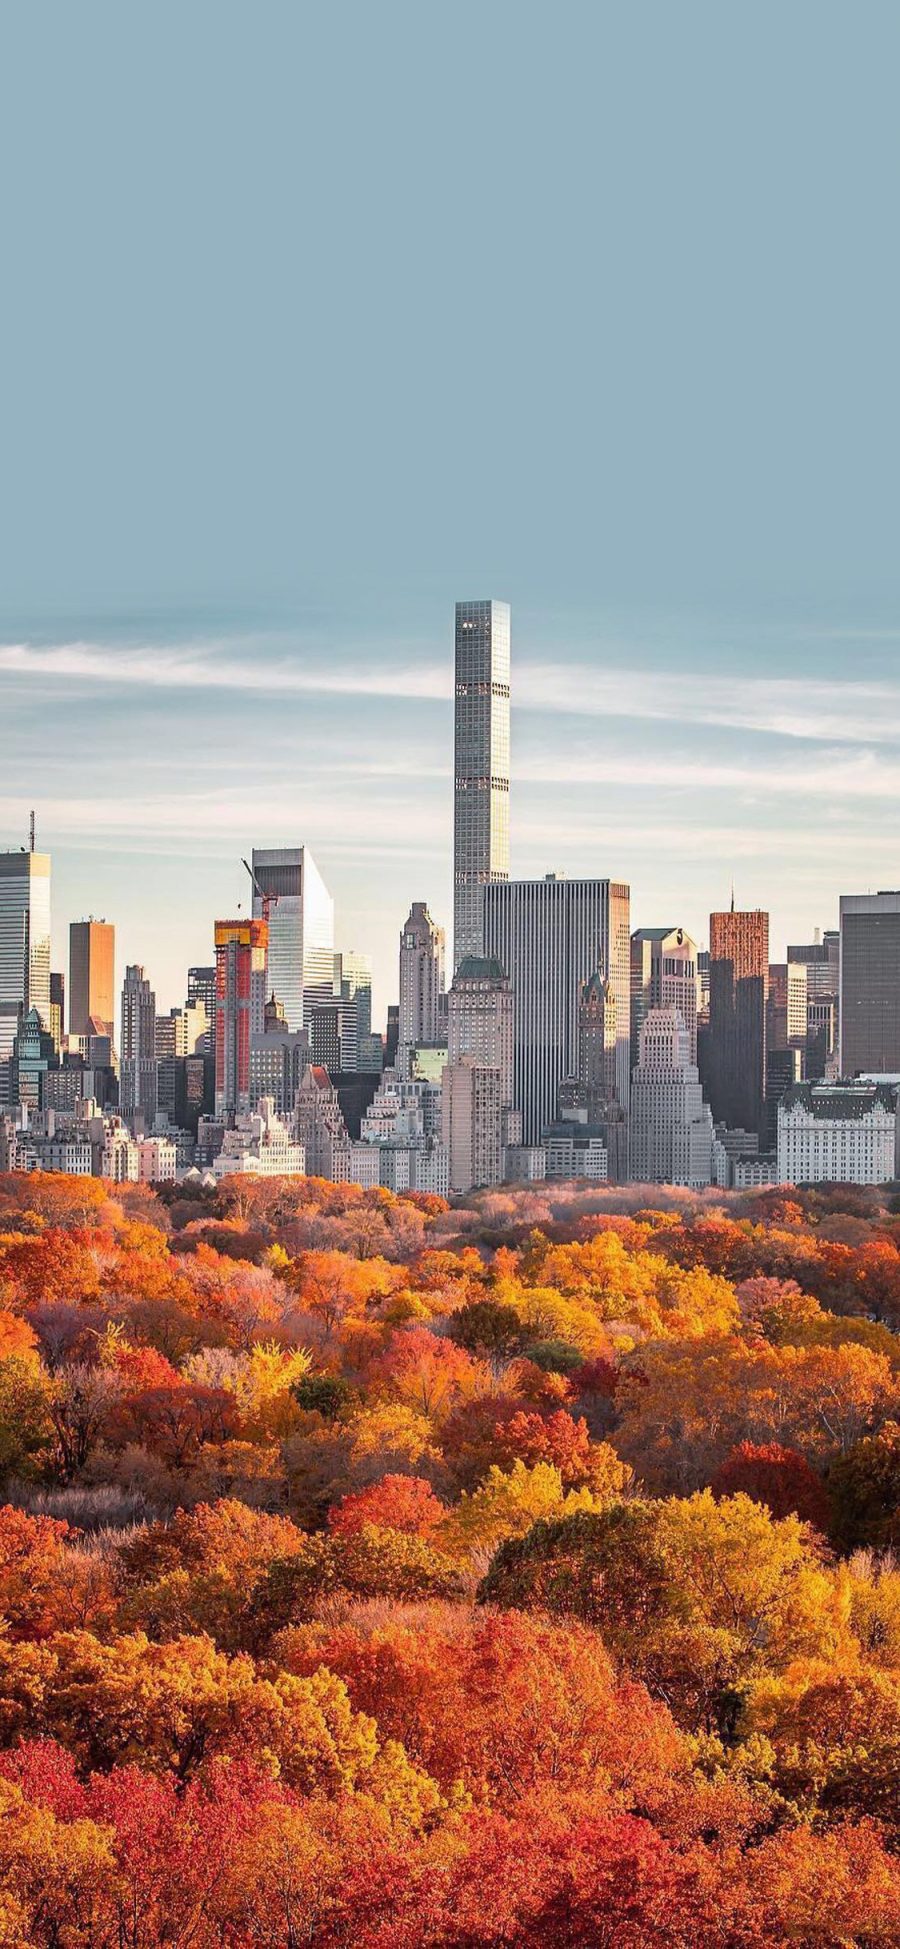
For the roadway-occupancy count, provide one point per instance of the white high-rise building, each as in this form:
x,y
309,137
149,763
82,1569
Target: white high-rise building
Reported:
x,y
421,977
664,974
138,1073
481,767
786,1022
300,966
353,983
259,1144
24,942
472,1125
551,935
671,1126
480,1019
838,1133
403,1110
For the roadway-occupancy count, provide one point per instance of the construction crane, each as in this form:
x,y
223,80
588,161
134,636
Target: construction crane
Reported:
x,y
267,899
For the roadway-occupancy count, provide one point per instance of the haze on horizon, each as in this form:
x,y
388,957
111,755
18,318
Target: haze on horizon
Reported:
x,y
316,322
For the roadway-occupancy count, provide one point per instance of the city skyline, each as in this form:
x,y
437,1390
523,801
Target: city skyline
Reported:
x,y
618,770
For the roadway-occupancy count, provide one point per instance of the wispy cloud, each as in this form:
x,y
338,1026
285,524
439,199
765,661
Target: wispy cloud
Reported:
x,y
835,712
835,775
787,707
214,667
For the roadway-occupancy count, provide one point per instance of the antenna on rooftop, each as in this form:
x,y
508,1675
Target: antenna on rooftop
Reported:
x,y
31,833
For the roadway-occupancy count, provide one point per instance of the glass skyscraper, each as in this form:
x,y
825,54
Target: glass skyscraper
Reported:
x,y
24,942
481,770
550,936
300,968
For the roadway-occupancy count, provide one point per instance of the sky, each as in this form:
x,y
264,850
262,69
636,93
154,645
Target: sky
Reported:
x,y
315,320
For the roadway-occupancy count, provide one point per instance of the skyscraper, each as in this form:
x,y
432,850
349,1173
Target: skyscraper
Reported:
x,y
481,767
353,983
821,957
24,942
597,1041
664,974
201,988
550,936
869,1013
57,1008
300,969
738,993
92,954
241,980
138,1079
33,1057
671,1126
480,1019
421,977
786,1024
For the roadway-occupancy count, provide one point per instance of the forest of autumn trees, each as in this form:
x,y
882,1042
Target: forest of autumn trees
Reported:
x,y
375,1575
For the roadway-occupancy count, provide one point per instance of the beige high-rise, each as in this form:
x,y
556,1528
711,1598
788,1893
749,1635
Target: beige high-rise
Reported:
x,y
92,976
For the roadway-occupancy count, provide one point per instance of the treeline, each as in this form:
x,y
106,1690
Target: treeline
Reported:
x,y
374,1573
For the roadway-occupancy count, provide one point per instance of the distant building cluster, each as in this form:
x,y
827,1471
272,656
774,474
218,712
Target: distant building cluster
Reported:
x,y
565,1045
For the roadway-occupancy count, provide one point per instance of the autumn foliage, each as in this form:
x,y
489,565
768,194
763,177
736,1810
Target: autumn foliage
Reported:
x,y
375,1575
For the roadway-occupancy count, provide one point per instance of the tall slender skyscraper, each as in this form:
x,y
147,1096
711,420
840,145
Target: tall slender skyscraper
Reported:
x,y
301,928
550,936
24,942
92,952
481,789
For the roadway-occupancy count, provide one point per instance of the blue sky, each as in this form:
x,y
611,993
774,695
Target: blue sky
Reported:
x,y
316,319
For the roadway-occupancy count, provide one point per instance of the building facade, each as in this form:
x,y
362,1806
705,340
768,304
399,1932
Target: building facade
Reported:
x,y
821,959
787,1023
24,942
838,1133
480,1019
201,989
664,974
598,1037
290,894
551,936
259,1144
319,1125
33,1057
137,1073
92,974
481,767
421,978
869,977
738,995
472,1125
671,1125
240,1008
